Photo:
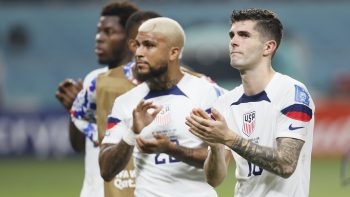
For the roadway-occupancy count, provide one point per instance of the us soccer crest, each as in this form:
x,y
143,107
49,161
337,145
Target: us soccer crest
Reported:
x,y
248,123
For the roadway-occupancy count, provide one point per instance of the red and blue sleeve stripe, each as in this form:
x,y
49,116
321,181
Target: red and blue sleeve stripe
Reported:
x,y
111,122
298,112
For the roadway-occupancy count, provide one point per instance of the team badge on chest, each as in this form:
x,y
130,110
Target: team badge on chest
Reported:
x,y
164,116
248,123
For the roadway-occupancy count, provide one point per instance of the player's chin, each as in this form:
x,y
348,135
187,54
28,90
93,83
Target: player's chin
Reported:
x,y
102,60
237,65
142,76
142,69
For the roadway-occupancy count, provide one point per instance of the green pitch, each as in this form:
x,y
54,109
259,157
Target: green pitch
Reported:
x,y
57,178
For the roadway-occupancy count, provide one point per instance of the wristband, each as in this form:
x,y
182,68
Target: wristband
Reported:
x,y
129,137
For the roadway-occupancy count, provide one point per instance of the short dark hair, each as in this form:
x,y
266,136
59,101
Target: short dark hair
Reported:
x,y
135,20
267,22
123,10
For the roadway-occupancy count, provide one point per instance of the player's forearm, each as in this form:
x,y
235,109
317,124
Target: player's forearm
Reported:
x,y
113,158
76,137
281,160
215,166
192,156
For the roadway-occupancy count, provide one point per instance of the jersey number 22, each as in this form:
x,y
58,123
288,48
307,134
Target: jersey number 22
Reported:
x,y
171,159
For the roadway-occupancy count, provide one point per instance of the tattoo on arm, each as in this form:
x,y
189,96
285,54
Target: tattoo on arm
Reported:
x,y
191,156
281,160
113,158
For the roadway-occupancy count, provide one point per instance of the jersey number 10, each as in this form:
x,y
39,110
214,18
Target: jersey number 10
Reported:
x,y
253,170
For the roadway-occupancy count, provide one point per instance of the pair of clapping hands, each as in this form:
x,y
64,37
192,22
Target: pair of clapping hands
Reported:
x,y
211,130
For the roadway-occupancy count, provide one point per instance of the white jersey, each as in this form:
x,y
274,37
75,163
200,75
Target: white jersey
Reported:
x,y
160,174
283,109
83,115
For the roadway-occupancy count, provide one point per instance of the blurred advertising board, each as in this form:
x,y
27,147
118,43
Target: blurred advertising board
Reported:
x,y
43,134
332,127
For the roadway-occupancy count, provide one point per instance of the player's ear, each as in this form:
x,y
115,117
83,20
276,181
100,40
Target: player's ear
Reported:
x,y
270,47
174,53
132,45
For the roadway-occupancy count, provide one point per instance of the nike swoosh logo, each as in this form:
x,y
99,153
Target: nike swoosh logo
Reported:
x,y
294,128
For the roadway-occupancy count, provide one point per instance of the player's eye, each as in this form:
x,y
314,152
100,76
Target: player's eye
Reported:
x,y
244,34
148,45
231,34
109,31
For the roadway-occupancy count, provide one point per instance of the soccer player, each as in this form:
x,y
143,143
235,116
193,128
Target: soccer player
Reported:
x,y
151,116
111,50
266,123
118,80
110,85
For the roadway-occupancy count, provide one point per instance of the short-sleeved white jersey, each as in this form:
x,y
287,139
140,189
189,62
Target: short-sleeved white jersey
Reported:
x,y
160,174
83,116
284,109
83,111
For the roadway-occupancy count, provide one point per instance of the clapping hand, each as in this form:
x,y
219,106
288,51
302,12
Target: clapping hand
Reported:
x,y
67,91
144,114
209,130
160,144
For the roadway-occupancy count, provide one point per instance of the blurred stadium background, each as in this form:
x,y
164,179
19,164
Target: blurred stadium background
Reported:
x,y
45,41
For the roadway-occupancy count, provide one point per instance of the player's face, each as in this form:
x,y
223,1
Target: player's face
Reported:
x,y
152,55
246,46
110,40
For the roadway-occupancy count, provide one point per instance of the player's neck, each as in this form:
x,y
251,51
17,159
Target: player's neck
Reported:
x,y
165,81
255,81
126,59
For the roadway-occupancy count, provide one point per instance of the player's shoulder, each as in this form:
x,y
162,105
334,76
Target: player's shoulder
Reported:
x,y
193,81
285,84
192,85
94,73
289,82
285,89
133,96
233,95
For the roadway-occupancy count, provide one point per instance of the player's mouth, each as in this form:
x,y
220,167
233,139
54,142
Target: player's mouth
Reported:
x,y
140,65
235,52
99,51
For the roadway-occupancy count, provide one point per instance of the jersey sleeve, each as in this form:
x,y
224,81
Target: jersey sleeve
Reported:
x,y
83,111
296,113
214,92
116,125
